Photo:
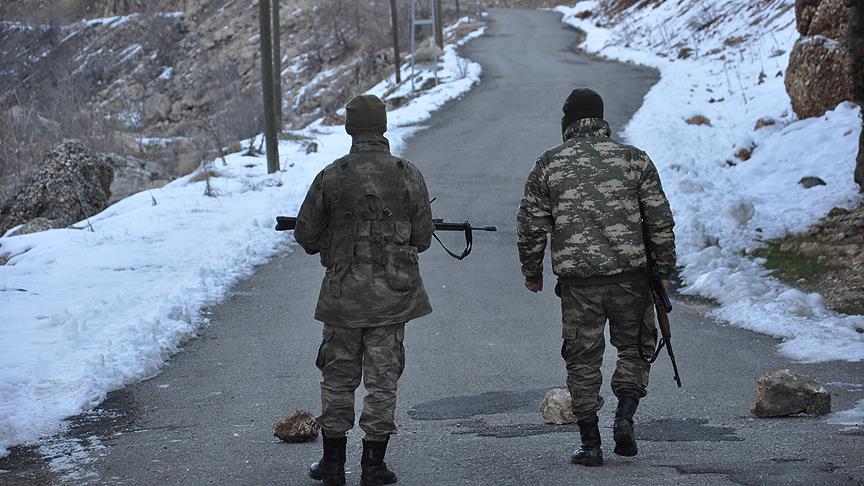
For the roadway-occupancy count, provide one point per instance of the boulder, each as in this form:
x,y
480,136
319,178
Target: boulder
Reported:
x,y
133,175
157,107
428,51
35,225
819,76
556,407
71,184
810,181
300,426
782,393
822,17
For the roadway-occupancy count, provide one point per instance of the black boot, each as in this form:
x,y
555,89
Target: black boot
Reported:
x,y
625,437
374,469
589,453
331,468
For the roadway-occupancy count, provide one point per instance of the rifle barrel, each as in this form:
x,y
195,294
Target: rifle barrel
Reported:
x,y
288,223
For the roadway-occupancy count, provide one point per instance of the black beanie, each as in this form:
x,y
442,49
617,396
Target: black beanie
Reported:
x,y
365,114
582,103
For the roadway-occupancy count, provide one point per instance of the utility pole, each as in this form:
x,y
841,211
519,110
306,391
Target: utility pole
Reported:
x,y
267,86
277,67
394,19
439,33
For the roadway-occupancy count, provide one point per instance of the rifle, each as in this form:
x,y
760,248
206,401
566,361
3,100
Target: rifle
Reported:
x,y
662,305
288,223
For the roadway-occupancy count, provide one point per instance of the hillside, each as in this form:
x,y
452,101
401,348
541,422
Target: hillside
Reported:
x,y
174,80
736,160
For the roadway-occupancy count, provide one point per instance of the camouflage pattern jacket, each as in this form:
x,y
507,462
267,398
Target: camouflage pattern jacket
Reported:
x,y
368,216
587,193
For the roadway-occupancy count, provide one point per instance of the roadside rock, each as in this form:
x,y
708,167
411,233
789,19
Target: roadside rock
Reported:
x,y
698,120
765,121
428,51
782,393
132,175
556,407
71,184
300,426
819,76
810,181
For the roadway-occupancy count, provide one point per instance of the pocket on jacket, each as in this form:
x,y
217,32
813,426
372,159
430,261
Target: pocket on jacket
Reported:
x,y
321,358
401,267
323,243
397,232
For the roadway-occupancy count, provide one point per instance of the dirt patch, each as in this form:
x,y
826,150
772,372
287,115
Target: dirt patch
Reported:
x,y
827,259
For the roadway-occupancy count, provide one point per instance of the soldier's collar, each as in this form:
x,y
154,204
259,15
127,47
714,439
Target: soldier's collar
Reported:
x,y
369,142
588,127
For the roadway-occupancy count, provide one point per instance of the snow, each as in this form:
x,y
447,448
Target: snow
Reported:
x,y
109,21
725,207
853,418
92,311
166,73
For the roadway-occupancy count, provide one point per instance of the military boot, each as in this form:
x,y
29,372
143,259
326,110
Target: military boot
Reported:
x,y
622,430
374,469
589,453
331,468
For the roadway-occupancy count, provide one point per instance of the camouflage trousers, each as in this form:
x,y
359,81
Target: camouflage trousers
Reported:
x,y
585,310
346,354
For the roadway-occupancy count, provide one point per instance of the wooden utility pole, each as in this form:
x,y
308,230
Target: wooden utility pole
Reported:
x,y
267,86
439,32
394,19
277,67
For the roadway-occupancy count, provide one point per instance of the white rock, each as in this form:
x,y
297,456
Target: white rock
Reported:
x,y
556,407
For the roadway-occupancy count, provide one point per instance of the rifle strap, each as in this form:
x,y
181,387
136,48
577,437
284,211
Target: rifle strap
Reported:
x,y
469,243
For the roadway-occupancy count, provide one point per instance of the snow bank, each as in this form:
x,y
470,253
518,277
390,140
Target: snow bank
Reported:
x,y
853,418
86,312
724,206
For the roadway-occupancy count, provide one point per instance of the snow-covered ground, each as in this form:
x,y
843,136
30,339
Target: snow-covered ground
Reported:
x,y
88,310
734,77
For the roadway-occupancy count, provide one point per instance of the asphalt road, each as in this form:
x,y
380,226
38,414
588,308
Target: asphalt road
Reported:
x,y
479,366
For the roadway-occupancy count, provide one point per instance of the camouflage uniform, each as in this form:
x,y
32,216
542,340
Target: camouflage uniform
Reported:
x,y
368,216
588,193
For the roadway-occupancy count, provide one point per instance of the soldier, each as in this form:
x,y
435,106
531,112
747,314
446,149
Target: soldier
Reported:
x,y
593,194
368,216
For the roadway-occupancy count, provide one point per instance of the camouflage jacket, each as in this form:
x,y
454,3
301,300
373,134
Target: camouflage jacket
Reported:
x,y
368,216
587,193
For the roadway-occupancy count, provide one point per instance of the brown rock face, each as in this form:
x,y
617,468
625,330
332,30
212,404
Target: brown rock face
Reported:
x,y
855,43
828,18
71,184
782,393
819,76
820,73
300,426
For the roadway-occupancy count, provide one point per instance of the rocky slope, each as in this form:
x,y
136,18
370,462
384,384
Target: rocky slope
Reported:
x,y
170,80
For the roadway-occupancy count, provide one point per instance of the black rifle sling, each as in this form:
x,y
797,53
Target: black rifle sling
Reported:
x,y
469,243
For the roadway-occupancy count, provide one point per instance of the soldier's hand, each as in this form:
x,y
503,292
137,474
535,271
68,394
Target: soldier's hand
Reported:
x,y
534,286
